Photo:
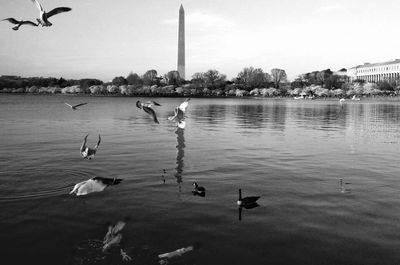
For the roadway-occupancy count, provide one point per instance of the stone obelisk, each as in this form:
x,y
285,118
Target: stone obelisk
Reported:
x,y
181,43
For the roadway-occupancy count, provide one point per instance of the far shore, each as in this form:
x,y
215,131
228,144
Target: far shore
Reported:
x,y
390,97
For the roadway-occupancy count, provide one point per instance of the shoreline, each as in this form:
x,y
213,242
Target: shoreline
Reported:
x,y
288,97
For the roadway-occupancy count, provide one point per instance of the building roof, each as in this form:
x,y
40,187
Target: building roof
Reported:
x,y
396,61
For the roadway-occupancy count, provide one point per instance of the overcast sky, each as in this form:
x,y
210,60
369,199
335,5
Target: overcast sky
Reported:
x,y
103,39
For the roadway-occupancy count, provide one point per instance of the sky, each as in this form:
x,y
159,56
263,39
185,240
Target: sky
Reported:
x,y
103,39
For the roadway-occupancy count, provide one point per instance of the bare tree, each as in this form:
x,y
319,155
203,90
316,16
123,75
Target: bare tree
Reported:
x,y
278,76
150,77
214,78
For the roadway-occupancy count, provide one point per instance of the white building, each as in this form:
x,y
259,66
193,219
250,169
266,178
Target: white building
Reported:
x,y
376,72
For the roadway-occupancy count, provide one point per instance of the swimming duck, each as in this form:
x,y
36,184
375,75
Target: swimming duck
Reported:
x,y
87,152
44,16
95,184
198,190
19,23
247,201
147,107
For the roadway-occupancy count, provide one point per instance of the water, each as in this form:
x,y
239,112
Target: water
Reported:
x,y
291,153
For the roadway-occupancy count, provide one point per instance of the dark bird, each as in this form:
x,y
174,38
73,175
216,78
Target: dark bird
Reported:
x,y
147,107
95,184
179,114
74,106
19,23
198,190
44,16
247,201
87,152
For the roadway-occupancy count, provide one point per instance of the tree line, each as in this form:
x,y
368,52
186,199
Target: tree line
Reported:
x,y
249,81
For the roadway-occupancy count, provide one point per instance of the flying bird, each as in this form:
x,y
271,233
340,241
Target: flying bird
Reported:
x,y
179,113
74,106
19,23
147,107
95,184
44,16
87,152
247,201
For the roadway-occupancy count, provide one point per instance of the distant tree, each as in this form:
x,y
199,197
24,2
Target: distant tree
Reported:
x,y
88,82
199,78
150,77
173,78
214,79
119,81
278,76
299,82
251,77
133,79
387,86
62,82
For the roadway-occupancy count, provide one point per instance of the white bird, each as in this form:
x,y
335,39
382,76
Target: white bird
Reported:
x,y
341,101
147,108
19,23
354,98
95,184
44,16
75,106
87,152
179,114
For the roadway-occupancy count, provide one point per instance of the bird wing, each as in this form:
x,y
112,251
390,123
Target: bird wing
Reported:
x,y
81,104
28,22
98,143
151,112
12,20
58,10
83,146
118,227
139,104
38,5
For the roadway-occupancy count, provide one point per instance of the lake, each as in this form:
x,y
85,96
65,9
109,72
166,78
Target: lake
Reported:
x,y
292,153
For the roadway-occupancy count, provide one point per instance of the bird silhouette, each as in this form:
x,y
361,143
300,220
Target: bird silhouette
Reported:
x,y
246,201
74,106
44,16
147,107
198,190
19,23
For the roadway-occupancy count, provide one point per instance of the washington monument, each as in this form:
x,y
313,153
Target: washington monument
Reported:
x,y
181,43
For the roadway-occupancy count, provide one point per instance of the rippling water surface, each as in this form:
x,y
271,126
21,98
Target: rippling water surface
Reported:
x,y
291,153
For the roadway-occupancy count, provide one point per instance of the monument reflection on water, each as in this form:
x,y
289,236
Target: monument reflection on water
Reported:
x,y
180,153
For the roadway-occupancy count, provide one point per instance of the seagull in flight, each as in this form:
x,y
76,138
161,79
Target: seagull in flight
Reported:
x,y
44,16
95,184
19,23
75,106
147,107
87,152
179,113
